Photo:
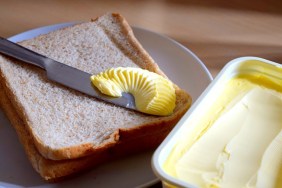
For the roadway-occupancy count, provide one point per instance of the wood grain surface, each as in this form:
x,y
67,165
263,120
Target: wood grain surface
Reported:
x,y
216,31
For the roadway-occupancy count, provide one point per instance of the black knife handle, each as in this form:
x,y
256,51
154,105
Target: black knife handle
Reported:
x,y
21,53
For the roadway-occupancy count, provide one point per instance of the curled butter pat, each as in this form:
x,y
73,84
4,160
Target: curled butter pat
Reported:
x,y
153,93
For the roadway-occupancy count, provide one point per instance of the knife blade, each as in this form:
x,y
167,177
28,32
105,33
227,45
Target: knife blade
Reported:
x,y
63,74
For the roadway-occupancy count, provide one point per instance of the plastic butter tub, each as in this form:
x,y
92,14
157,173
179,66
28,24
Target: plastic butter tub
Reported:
x,y
232,135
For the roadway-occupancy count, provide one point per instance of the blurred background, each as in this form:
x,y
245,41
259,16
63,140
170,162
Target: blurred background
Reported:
x,y
216,31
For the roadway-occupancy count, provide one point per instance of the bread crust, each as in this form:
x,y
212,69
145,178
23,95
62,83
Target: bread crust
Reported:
x,y
53,163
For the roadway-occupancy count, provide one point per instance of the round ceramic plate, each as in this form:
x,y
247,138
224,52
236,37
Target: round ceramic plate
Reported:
x,y
176,61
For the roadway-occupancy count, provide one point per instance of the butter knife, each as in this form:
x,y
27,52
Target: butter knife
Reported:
x,y
63,74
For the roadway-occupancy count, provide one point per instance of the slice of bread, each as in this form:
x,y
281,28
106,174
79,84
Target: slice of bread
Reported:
x,y
64,131
55,170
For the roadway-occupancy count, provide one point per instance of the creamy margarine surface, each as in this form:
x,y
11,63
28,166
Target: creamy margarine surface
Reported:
x,y
239,145
153,93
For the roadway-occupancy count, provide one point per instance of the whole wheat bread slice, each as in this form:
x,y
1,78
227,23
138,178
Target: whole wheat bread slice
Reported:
x,y
62,127
55,170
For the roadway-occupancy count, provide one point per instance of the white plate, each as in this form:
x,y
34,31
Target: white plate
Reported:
x,y
181,66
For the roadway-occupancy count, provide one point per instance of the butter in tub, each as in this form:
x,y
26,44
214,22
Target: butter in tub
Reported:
x,y
232,136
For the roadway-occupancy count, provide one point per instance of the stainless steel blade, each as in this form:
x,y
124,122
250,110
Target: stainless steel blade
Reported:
x,y
63,74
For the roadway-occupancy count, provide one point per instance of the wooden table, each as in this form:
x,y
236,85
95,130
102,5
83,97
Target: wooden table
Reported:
x,y
216,31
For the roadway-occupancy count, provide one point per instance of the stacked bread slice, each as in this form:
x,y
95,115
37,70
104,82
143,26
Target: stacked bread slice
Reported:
x,y
64,131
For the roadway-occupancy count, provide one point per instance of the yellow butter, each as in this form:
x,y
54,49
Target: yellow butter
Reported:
x,y
238,141
229,154
153,93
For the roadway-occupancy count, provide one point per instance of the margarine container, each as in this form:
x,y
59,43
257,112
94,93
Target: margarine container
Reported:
x,y
231,136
